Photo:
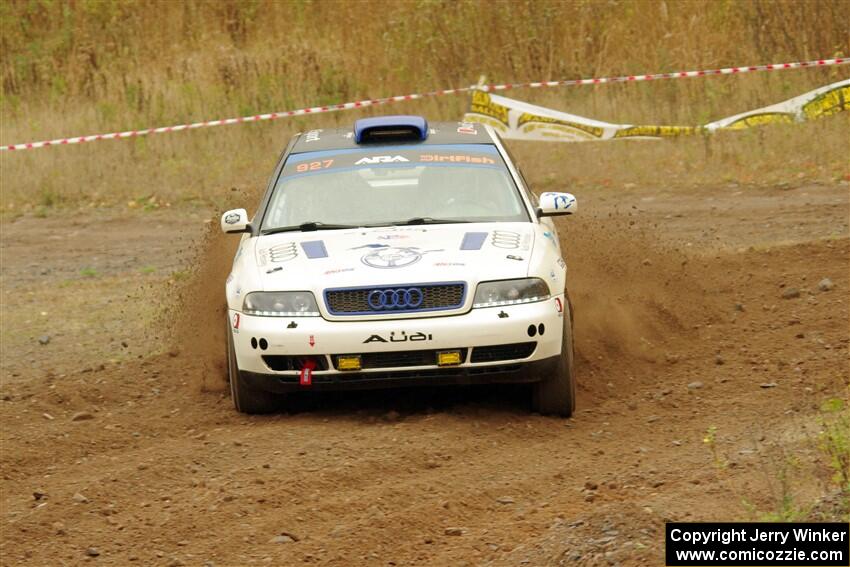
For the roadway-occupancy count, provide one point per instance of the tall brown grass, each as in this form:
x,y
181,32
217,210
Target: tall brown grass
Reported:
x,y
70,68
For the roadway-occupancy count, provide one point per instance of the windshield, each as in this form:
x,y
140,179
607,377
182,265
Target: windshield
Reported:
x,y
394,185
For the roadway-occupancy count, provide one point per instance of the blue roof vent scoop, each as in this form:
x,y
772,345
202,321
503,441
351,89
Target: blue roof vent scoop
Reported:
x,y
390,129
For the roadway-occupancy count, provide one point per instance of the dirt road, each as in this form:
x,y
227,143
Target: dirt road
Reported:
x,y
118,448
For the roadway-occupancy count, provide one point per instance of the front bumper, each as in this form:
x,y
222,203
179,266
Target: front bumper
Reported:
x,y
514,373
313,338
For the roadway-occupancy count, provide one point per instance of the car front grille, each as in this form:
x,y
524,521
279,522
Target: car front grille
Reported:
x,y
399,359
515,351
376,300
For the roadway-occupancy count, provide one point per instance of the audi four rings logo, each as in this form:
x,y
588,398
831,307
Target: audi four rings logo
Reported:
x,y
409,298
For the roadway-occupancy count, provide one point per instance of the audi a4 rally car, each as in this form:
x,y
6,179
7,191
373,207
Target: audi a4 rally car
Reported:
x,y
399,253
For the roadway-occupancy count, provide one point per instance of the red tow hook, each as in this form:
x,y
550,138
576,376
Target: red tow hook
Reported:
x,y
307,372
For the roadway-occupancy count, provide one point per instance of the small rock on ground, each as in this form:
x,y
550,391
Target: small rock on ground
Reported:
x,y
82,416
825,284
791,293
454,531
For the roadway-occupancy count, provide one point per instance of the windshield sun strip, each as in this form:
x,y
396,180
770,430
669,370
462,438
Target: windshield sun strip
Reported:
x,y
467,148
410,165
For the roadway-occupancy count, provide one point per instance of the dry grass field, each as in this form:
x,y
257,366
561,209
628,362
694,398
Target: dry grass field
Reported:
x,y
103,66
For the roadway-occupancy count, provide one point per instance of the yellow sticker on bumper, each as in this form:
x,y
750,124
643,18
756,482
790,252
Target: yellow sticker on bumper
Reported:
x,y
348,363
449,358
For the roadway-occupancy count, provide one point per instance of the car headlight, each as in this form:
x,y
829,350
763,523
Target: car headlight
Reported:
x,y
281,304
510,292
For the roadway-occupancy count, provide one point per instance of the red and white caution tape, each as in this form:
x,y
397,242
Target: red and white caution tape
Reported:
x,y
676,75
416,96
226,121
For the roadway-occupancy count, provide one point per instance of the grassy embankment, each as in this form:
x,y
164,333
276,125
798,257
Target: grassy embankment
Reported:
x,y
97,66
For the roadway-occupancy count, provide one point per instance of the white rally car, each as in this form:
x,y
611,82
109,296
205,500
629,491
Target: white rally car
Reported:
x,y
399,253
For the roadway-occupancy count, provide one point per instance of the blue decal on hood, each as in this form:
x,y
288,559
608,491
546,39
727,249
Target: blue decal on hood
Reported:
x,y
315,249
473,240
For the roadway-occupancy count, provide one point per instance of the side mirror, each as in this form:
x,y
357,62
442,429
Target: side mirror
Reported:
x,y
235,220
554,204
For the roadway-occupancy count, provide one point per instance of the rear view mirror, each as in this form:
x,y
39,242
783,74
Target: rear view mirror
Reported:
x,y
553,204
235,220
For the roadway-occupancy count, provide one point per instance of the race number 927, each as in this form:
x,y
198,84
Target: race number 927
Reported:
x,y
314,165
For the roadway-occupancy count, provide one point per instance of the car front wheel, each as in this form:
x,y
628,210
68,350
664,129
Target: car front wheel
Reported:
x,y
245,398
556,393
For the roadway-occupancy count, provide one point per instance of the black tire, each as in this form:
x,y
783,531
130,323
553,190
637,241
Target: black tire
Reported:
x,y
245,398
556,393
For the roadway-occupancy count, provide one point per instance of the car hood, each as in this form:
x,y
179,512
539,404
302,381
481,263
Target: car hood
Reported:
x,y
393,255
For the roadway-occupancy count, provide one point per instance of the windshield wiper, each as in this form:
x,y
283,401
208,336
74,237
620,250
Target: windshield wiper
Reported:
x,y
429,220
308,227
